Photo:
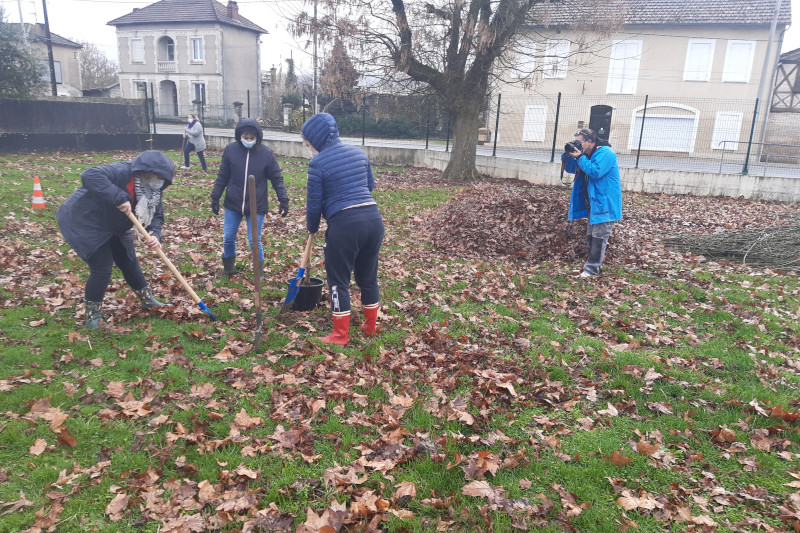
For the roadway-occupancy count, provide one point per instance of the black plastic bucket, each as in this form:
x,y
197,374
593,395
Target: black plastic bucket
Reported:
x,y
308,296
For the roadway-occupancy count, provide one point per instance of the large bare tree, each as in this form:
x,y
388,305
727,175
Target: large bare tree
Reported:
x,y
448,46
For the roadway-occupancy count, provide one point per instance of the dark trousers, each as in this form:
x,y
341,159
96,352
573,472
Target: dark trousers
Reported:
x,y
118,250
190,148
352,243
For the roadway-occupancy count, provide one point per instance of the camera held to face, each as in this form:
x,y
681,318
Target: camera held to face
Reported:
x,y
572,146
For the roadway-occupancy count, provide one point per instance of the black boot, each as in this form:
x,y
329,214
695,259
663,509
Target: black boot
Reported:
x,y
94,315
229,265
146,298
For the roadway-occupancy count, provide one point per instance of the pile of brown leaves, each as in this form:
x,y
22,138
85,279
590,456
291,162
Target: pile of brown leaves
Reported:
x,y
510,218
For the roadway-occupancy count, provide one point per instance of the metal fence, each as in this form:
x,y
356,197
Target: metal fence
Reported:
x,y
677,133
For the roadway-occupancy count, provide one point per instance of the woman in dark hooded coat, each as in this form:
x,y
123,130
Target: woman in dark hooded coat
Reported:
x,y
94,221
241,158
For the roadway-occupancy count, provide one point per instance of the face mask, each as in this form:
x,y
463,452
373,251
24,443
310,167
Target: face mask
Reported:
x,y
248,144
154,183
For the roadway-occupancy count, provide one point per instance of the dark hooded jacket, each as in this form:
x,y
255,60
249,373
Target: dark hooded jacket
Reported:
x,y
89,217
237,163
339,176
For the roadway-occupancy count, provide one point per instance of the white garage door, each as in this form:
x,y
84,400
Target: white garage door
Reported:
x,y
666,134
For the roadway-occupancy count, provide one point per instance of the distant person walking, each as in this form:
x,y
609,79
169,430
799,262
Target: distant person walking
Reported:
x,y
241,158
94,221
193,133
596,193
340,184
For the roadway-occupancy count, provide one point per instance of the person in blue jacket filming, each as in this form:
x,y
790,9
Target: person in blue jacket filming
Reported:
x,y
596,193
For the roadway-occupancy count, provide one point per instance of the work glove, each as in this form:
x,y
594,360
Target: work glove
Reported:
x,y
215,206
283,210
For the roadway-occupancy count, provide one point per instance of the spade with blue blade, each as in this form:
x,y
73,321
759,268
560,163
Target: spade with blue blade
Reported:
x,y
294,285
172,268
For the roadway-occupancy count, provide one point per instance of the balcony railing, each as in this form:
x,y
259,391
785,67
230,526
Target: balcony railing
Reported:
x,y
167,66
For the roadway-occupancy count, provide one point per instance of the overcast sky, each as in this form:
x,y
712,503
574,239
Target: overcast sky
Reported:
x,y
85,20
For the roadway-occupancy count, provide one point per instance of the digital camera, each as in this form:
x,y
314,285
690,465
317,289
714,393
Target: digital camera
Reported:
x,y
571,146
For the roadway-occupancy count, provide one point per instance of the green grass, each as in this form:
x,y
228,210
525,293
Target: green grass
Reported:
x,y
549,374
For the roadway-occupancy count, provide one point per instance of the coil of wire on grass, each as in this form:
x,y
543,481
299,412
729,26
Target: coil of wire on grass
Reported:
x,y
773,247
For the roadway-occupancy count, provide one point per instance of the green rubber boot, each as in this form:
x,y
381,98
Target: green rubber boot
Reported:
x,y
146,298
94,315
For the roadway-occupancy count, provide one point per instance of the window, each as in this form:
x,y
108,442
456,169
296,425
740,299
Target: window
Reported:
x,y
199,91
197,48
556,59
699,58
56,67
738,61
524,58
535,122
137,50
139,88
623,70
727,127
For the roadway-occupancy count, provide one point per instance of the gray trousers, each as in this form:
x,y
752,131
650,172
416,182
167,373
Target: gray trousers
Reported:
x,y
596,241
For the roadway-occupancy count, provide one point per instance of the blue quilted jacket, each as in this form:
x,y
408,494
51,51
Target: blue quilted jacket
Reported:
x,y
602,186
339,176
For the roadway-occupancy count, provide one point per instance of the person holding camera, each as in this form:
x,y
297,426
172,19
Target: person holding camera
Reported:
x,y
596,193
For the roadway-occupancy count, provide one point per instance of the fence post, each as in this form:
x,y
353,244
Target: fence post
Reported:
x,y
153,100
146,108
447,146
750,141
248,103
363,118
641,131
428,127
555,129
496,125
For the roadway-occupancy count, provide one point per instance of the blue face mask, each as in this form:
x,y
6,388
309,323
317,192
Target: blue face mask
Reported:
x,y
248,144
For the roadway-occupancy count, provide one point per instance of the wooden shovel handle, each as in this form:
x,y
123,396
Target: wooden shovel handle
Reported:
x,y
166,260
307,252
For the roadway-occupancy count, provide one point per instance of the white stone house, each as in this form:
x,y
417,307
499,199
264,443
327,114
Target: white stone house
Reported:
x,y
183,52
701,66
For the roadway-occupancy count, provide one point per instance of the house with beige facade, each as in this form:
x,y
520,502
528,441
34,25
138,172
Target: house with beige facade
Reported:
x,y
191,56
66,61
678,77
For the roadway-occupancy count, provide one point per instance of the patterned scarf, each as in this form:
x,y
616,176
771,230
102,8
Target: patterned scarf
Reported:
x,y
147,201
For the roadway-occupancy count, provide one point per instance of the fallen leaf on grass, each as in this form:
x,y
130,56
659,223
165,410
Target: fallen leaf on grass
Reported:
x,y
38,447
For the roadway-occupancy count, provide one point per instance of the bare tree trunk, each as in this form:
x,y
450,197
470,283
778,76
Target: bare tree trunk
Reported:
x,y
465,138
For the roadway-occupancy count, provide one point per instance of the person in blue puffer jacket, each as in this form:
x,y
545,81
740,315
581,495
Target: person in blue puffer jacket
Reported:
x,y
340,184
241,158
596,194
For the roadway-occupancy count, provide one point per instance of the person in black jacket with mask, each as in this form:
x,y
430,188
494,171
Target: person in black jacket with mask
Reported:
x,y
94,221
241,158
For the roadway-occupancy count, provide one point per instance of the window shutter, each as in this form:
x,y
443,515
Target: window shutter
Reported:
x,y
738,61
623,70
556,60
699,60
535,121
727,127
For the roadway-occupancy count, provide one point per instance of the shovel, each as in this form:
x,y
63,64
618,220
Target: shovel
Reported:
x,y
251,186
294,285
172,268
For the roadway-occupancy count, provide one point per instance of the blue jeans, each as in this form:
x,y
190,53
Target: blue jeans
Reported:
x,y
232,221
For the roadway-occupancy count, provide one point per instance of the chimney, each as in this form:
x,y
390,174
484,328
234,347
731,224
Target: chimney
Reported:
x,y
233,9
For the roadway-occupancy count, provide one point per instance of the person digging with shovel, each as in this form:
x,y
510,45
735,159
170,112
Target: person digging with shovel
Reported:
x,y
340,184
94,222
241,158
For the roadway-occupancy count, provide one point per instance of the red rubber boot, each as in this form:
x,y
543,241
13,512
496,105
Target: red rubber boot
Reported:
x,y
370,318
341,330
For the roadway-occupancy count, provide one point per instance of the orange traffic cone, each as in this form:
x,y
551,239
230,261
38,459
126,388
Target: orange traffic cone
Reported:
x,y
38,196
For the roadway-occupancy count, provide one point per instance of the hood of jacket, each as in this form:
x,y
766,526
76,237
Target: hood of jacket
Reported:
x,y
248,123
321,130
154,161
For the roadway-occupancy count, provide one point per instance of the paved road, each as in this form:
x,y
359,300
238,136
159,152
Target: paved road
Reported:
x,y
733,165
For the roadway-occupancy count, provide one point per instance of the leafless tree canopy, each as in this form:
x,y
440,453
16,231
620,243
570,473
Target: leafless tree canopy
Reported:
x,y
97,71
